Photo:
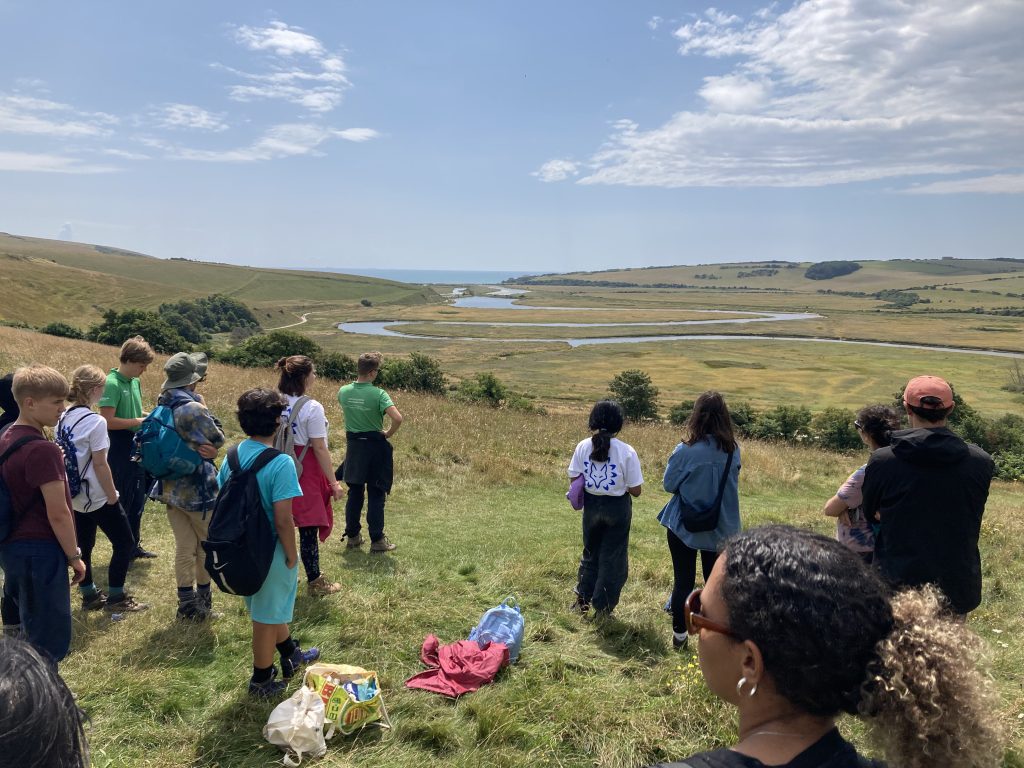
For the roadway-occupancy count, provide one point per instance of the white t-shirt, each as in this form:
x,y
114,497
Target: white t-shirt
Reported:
x,y
312,420
607,478
89,434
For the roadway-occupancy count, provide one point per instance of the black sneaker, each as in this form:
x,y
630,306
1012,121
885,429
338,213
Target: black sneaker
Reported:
x,y
580,606
94,601
143,553
268,689
678,643
299,658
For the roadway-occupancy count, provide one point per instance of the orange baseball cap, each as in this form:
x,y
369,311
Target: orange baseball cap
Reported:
x,y
928,392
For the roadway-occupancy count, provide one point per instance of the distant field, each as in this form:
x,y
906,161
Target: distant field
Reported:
x,y
75,283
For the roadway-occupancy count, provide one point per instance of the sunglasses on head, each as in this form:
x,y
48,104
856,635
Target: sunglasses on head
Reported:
x,y
695,621
858,424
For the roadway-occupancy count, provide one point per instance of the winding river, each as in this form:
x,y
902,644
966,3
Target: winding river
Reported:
x,y
385,328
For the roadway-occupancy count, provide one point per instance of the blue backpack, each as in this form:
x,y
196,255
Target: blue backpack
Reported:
x,y
503,623
160,449
65,438
6,503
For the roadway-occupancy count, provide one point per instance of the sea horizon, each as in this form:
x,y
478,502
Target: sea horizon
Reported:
x,y
431,276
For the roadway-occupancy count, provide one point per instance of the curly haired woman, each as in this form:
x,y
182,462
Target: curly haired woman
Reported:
x,y
795,629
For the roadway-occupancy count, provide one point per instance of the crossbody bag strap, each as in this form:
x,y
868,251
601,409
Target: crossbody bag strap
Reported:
x,y
725,479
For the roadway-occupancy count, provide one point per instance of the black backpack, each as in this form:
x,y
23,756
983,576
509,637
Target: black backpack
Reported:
x,y
241,540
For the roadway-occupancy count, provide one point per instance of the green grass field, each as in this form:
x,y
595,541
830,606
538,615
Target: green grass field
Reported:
x,y
478,513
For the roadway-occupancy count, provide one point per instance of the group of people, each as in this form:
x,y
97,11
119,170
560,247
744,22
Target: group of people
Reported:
x,y
795,628
53,526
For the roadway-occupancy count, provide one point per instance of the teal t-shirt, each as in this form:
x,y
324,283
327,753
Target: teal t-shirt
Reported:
x,y
277,480
364,406
124,395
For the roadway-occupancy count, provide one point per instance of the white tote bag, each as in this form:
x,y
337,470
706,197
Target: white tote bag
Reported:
x,y
297,726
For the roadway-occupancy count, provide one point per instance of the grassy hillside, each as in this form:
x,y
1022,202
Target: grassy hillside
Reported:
x,y
478,512
72,282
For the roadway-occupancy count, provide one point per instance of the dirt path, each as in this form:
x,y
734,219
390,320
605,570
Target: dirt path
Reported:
x,y
303,319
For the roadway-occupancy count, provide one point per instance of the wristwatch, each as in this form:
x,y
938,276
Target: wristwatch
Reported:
x,y
75,557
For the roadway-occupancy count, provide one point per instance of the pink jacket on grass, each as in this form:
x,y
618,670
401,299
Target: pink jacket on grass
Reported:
x,y
458,668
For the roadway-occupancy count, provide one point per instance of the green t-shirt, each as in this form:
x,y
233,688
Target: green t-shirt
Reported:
x,y
124,395
364,406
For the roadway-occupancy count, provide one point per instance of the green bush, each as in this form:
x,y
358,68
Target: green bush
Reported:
x,y
636,393
335,366
826,270
1010,466
833,428
196,319
783,422
680,414
266,349
62,329
118,326
743,416
484,388
418,372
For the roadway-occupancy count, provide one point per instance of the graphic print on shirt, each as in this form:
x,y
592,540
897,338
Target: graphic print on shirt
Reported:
x,y
600,474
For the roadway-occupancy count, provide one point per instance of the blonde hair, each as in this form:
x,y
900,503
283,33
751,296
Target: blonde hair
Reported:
x,y
137,350
84,379
926,701
37,380
368,363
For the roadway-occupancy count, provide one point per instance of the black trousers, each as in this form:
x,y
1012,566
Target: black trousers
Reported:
x,y
684,567
129,478
112,521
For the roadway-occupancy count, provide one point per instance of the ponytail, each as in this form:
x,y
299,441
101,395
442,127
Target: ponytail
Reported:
x,y
605,420
84,379
601,442
926,701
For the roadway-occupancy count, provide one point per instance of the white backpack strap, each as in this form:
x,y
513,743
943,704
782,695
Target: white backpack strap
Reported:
x,y
294,419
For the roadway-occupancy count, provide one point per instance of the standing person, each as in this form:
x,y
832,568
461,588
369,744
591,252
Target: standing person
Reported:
x,y
794,630
369,464
41,546
927,491
259,412
121,406
190,498
7,403
704,467
874,424
96,505
312,511
611,479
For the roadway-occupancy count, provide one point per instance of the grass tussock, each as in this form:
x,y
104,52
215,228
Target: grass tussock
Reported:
x,y
478,513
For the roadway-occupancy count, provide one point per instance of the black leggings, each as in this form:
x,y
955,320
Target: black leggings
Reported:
x,y
309,551
684,566
112,520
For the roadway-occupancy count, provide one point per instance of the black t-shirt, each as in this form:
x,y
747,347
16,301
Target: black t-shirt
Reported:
x,y
830,751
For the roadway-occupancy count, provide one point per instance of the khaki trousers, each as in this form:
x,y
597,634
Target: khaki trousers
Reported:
x,y
189,556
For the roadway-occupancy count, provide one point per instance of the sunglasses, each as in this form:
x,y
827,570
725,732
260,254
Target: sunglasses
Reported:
x,y
858,425
695,622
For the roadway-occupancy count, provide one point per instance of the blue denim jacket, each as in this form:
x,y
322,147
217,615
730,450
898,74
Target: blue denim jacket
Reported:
x,y
694,472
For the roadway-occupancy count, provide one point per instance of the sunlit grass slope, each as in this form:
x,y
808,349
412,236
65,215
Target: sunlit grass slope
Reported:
x,y
478,512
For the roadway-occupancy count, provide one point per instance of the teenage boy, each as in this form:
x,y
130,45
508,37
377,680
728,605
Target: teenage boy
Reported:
x,y
259,413
42,544
121,406
190,499
369,465
927,492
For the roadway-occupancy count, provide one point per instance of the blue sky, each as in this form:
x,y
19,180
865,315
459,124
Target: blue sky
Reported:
x,y
538,136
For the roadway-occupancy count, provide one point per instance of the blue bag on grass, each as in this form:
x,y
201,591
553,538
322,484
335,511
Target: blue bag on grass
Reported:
x,y
503,623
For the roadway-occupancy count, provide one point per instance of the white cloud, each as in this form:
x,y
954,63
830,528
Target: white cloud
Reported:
x,y
654,22
67,232
30,115
281,141
556,170
189,117
835,91
299,68
30,162
124,154
997,184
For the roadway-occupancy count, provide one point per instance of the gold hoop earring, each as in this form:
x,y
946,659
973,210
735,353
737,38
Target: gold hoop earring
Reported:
x,y
739,687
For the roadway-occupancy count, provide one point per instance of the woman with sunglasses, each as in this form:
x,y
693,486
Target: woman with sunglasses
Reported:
x,y
794,630
702,471
874,424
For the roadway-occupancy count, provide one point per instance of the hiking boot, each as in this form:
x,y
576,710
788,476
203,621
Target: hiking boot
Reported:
x,y
382,545
125,604
299,658
206,601
94,601
320,586
580,606
191,608
354,542
269,689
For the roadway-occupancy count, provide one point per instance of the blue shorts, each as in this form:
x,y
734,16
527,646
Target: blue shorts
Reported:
x,y
275,602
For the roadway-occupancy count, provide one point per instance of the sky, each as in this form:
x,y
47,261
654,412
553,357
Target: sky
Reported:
x,y
534,136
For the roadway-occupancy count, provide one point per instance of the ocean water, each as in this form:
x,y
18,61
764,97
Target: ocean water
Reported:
x,y
434,276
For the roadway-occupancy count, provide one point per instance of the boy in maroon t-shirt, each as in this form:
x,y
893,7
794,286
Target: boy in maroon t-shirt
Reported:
x,y
42,544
